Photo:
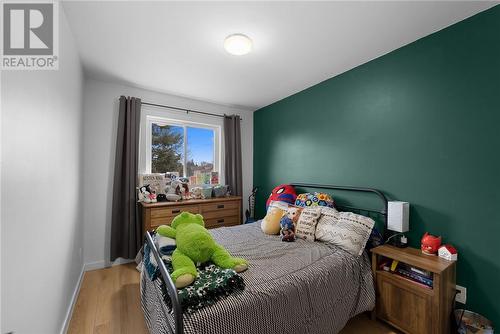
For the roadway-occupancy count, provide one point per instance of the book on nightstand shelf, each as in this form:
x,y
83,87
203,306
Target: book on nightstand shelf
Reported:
x,y
411,273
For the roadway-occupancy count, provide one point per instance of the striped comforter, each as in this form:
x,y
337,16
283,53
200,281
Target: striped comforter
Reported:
x,y
291,287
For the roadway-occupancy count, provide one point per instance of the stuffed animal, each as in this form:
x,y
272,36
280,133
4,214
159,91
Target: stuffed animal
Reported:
x,y
288,222
195,245
146,195
174,191
287,231
282,193
271,222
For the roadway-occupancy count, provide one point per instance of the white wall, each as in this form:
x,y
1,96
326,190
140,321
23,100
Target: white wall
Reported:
x,y
100,121
41,194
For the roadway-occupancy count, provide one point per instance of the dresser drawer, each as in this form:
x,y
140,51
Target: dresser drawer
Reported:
x,y
220,213
173,211
155,222
216,212
225,205
222,221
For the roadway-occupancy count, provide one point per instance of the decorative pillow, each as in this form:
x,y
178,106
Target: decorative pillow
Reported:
x,y
314,199
288,223
271,222
306,225
328,211
346,230
282,193
328,216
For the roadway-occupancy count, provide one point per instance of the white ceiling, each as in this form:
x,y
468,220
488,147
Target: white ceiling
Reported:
x,y
176,47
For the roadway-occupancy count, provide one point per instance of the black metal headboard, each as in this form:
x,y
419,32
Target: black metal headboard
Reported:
x,y
381,196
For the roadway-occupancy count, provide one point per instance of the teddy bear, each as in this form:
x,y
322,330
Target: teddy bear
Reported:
x,y
195,245
288,223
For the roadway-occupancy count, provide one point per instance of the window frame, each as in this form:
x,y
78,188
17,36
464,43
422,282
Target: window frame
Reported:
x,y
145,149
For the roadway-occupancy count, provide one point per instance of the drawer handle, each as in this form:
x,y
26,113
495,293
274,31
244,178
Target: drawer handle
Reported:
x,y
220,220
176,211
220,206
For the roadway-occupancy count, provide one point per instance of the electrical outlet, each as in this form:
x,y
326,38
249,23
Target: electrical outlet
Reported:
x,y
80,252
461,296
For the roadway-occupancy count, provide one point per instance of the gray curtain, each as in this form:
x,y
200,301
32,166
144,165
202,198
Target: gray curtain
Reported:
x,y
126,227
232,156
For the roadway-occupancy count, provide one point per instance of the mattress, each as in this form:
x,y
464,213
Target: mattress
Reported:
x,y
291,287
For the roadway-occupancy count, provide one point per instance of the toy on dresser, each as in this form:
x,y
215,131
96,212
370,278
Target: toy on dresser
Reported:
x,y
176,190
146,195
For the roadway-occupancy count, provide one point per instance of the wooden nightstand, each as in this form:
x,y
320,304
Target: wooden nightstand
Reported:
x,y
409,306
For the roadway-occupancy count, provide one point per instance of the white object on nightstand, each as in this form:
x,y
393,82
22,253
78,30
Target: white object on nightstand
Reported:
x,y
398,216
448,252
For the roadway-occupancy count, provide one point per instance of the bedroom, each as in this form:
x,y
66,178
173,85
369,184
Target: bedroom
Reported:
x,y
398,97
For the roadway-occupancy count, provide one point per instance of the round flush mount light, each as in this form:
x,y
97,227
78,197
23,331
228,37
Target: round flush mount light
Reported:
x,y
238,44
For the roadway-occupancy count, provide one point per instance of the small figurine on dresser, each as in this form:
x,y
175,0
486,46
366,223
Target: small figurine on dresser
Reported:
x,y
430,244
196,192
174,191
146,195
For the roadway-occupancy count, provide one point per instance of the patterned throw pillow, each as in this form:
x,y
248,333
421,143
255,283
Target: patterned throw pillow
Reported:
x,y
306,226
314,199
346,230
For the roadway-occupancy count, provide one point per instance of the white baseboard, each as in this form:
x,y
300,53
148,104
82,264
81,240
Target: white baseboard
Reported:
x,y
86,267
103,264
94,265
74,297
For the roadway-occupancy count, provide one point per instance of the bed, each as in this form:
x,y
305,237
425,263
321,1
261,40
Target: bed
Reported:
x,y
298,287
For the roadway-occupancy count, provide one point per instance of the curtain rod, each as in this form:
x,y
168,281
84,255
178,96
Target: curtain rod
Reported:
x,y
184,109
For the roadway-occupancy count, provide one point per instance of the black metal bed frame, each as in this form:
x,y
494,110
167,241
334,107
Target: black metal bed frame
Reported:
x,y
172,290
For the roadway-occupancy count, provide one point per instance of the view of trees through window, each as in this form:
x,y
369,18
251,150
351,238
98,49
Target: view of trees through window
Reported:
x,y
168,144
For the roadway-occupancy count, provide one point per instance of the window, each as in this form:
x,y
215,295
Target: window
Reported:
x,y
185,148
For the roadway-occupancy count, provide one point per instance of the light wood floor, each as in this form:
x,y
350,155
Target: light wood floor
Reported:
x,y
109,302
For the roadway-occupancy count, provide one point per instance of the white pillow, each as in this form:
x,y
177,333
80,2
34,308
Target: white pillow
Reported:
x,y
326,210
306,226
346,230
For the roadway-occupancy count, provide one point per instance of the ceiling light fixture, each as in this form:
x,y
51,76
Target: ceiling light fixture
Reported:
x,y
238,44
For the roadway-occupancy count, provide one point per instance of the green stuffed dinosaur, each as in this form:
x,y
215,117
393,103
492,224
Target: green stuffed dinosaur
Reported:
x,y
195,245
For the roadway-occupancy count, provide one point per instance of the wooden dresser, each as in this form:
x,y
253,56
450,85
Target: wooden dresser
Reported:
x,y
411,307
217,212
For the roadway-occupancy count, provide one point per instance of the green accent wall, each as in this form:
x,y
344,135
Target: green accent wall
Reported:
x,y
422,124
